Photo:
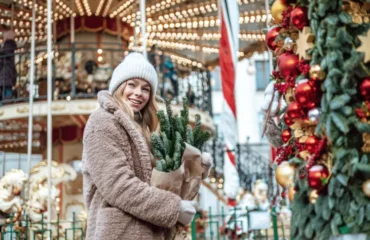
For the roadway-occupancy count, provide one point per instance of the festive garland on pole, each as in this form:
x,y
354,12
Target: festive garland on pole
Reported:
x,y
323,73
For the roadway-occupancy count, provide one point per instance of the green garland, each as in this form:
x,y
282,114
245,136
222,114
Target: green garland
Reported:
x,y
344,208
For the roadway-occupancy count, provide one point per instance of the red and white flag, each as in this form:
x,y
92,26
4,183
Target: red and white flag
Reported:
x,y
229,47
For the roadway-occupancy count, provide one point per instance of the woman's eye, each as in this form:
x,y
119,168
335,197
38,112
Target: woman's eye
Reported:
x,y
146,89
131,85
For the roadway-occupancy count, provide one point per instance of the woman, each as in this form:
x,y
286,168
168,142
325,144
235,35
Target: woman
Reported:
x,y
117,163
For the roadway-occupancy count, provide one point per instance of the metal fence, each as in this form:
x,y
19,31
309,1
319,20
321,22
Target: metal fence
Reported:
x,y
232,224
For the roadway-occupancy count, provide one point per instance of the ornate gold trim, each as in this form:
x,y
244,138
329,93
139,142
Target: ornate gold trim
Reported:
x,y
87,106
58,107
22,110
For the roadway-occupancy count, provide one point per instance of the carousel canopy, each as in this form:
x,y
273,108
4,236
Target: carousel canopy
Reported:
x,y
184,28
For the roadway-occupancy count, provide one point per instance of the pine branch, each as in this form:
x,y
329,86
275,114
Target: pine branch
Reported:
x,y
180,127
189,135
157,146
170,163
197,128
185,112
159,166
178,154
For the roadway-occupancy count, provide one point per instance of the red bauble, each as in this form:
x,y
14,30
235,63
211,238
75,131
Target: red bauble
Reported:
x,y
287,64
295,111
298,17
311,143
365,88
317,174
283,195
288,121
286,135
307,94
271,36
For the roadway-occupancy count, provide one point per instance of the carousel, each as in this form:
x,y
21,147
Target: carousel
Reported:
x,y
66,52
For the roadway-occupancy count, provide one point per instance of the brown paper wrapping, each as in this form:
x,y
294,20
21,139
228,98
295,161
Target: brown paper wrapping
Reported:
x,y
185,182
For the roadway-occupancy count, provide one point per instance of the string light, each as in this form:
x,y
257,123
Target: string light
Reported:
x,y
122,7
87,7
80,8
107,7
99,8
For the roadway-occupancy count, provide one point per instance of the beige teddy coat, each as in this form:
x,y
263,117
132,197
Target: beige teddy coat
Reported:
x,y
117,170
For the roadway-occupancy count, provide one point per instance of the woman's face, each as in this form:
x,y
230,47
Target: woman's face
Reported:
x,y
136,94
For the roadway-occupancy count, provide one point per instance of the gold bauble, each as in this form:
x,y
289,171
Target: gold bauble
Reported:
x,y
316,73
313,196
289,96
291,193
366,188
285,174
277,9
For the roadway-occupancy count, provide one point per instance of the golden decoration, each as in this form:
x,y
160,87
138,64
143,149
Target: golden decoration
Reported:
x,y
358,11
285,174
87,106
289,96
58,107
366,188
366,139
304,42
303,129
1,112
365,46
313,196
316,73
304,154
291,193
22,109
277,9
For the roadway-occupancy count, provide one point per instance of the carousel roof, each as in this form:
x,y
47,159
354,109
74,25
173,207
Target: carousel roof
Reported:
x,y
186,28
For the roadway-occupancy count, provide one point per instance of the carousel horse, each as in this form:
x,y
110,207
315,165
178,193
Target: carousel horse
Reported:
x,y
38,189
37,203
11,186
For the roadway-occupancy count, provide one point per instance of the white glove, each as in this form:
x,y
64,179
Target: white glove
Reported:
x,y
187,212
274,110
206,164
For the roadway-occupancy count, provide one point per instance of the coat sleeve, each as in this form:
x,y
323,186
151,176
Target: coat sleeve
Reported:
x,y
109,169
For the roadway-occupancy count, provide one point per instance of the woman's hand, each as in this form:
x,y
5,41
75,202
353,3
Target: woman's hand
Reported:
x,y
187,211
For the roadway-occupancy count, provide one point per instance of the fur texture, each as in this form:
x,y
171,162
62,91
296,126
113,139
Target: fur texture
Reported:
x,y
117,171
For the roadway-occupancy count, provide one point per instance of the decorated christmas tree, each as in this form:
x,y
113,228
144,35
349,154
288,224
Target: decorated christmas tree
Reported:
x,y
169,144
322,71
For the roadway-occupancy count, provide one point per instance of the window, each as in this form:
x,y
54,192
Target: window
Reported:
x,y
262,74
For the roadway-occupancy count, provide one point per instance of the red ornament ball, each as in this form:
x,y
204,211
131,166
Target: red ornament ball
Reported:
x,y
288,121
311,143
287,63
286,135
317,177
298,17
283,195
295,111
365,88
307,94
271,36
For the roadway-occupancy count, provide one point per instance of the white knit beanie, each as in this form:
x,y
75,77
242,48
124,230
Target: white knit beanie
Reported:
x,y
134,65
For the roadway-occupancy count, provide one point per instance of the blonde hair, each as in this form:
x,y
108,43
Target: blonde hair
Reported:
x,y
147,120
